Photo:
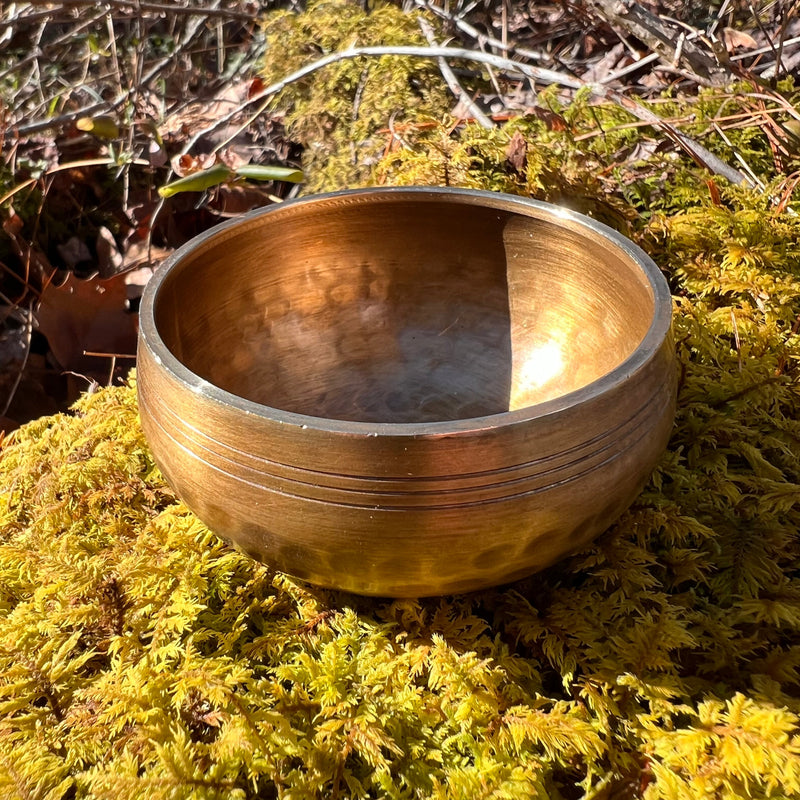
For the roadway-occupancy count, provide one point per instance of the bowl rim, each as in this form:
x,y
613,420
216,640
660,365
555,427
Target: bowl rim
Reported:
x,y
653,340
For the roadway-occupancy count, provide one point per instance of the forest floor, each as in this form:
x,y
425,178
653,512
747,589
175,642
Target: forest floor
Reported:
x,y
101,105
143,657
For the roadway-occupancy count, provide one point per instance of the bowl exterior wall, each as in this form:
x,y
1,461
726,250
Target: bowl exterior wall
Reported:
x,y
410,515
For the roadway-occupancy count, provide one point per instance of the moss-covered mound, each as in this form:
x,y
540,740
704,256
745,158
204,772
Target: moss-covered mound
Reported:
x,y
142,657
347,114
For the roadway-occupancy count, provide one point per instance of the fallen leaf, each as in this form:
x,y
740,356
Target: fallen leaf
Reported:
x,y
184,163
553,121
6,426
517,152
139,254
233,201
734,39
256,86
231,158
135,281
87,315
13,224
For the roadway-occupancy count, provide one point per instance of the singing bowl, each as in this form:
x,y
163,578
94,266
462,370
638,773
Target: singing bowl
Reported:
x,y
407,391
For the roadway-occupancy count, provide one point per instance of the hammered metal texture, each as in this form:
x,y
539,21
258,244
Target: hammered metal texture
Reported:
x,y
408,391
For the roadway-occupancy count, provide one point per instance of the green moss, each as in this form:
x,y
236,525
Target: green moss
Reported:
x,y
344,114
141,657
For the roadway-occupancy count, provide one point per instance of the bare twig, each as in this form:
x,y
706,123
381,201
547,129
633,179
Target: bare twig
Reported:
x,y
69,35
86,162
193,29
782,39
130,356
138,7
739,157
540,74
112,46
700,154
534,73
632,67
723,9
757,20
452,82
660,37
768,49
63,119
480,37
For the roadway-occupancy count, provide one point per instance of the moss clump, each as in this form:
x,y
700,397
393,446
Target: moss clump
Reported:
x,y
597,158
141,657
344,113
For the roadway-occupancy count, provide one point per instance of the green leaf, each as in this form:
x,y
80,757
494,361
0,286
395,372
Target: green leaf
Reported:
x,y
197,181
265,172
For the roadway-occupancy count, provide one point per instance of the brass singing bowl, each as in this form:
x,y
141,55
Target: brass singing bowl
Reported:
x,y
407,391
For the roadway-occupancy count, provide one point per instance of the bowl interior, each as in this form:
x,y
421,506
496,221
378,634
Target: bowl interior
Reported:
x,y
403,308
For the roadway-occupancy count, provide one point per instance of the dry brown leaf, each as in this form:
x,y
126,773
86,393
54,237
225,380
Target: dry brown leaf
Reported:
x,y
233,200
87,315
553,121
135,281
6,426
733,39
139,254
517,152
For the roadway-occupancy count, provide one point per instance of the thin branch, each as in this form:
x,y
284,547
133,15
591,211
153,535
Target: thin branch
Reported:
x,y
193,29
659,36
86,162
717,21
632,67
761,50
36,52
760,25
739,157
450,79
782,39
480,37
14,131
534,73
700,154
